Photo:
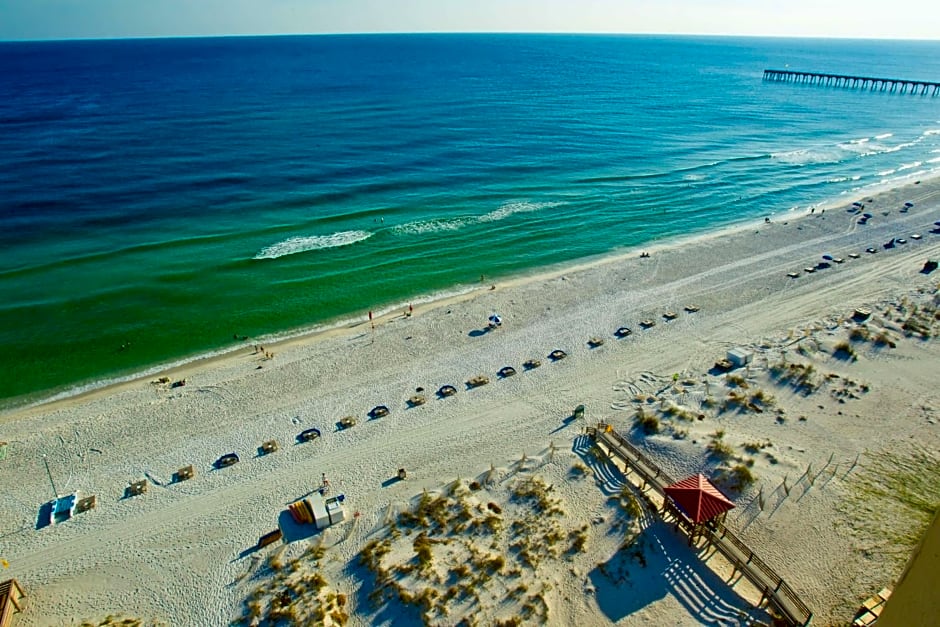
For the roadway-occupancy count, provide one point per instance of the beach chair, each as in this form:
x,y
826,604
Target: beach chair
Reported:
x,y
595,341
136,487
379,411
85,504
623,332
308,435
557,354
229,459
347,422
531,364
184,473
579,412
416,400
268,447
506,371
446,390
269,538
477,381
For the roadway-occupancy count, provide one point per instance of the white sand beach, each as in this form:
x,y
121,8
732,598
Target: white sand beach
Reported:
x,y
865,415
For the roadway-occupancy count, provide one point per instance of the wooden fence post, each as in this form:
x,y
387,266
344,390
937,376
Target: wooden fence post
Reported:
x,y
854,464
760,498
786,488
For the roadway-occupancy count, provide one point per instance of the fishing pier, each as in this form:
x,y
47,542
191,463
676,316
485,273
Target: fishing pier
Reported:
x,y
891,85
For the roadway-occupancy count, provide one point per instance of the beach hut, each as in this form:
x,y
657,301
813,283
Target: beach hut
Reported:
x,y
740,357
694,502
11,601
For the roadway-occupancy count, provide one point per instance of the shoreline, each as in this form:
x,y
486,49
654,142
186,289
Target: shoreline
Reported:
x,y
181,553
179,369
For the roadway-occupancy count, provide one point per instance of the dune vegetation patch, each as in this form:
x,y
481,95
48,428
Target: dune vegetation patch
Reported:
x,y
461,556
294,592
892,497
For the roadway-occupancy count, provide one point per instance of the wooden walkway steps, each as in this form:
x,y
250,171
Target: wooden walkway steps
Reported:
x,y
11,600
774,589
892,85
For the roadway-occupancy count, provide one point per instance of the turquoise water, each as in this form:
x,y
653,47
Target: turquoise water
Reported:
x,y
159,196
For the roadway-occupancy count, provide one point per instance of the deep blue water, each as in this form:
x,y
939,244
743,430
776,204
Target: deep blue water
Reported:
x,y
161,195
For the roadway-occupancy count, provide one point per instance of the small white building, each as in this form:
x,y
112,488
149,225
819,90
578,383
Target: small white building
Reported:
x,y
304,518
740,357
327,512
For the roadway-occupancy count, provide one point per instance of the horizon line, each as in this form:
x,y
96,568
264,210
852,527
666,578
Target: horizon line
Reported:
x,y
546,33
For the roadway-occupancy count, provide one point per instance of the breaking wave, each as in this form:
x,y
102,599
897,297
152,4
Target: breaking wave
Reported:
x,y
513,208
315,242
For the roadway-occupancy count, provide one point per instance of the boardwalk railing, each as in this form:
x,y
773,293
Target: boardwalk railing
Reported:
x,y
773,588
892,85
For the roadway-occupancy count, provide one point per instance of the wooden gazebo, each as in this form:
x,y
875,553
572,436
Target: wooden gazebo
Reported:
x,y
694,502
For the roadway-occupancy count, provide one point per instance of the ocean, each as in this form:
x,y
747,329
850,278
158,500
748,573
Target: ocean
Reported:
x,y
161,197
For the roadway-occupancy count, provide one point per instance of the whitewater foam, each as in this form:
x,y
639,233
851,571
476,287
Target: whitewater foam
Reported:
x,y
295,245
438,225
513,208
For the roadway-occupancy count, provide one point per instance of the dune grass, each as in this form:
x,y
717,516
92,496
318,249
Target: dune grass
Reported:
x,y
892,497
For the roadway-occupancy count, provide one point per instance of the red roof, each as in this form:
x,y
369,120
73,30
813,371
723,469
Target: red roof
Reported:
x,y
698,498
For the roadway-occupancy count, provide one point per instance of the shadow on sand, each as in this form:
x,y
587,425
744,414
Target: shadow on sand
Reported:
x,y
658,563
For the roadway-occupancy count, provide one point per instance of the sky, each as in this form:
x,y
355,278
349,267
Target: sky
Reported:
x,y
866,19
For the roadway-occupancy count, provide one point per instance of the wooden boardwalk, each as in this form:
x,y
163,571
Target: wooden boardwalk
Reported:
x,y
774,589
892,85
